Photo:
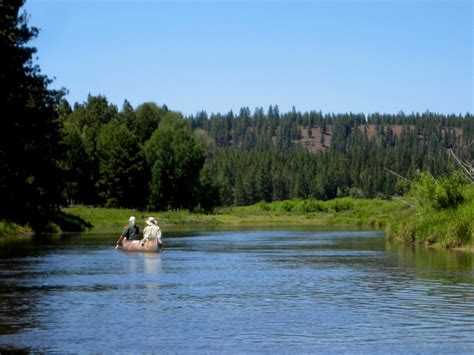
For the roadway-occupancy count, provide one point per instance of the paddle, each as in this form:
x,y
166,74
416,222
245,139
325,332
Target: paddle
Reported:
x,y
119,241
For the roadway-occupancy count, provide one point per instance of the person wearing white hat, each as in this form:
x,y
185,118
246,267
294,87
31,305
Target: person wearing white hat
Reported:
x,y
130,232
151,232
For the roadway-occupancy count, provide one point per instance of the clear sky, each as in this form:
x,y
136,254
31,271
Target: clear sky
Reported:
x,y
334,56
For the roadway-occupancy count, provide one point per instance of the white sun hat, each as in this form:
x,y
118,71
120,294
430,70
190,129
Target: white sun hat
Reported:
x,y
151,221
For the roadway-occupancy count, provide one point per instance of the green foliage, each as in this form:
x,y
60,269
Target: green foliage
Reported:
x,y
122,167
243,162
173,120
176,158
8,227
70,223
339,205
338,212
145,120
77,165
359,213
307,206
269,160
426,222
30,181
103,219
93,113
442,193
207,192
445,228
80,135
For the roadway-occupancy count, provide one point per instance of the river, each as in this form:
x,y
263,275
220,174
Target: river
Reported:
x,y
247,291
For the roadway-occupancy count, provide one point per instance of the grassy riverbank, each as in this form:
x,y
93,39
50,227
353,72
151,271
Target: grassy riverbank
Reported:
x,y
406,219
7,227
403,218
344,212
447,227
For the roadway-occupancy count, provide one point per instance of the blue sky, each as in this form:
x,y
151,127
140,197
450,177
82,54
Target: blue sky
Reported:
x,y
334,56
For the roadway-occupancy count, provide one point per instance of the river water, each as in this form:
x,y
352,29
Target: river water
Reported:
x,y
260,291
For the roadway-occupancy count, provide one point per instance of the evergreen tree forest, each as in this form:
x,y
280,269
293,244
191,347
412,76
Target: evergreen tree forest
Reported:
x,y
271,156
151,157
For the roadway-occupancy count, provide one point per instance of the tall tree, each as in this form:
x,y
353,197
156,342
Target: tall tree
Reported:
x,y
83,125
176,158
123,172
29,148
146,121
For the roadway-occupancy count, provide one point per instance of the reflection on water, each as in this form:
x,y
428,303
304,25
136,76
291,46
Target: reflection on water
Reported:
x,y
235,291
152,264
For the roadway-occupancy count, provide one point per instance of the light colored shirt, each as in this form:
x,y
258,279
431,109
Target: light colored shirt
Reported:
x,y
151,233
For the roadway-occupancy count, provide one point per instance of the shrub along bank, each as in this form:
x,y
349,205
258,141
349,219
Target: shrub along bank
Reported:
x,y
439,212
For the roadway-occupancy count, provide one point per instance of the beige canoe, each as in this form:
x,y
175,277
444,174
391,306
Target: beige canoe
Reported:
x,y
135,245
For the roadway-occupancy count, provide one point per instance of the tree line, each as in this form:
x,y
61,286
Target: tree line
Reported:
x,y
151,157
144,158
263,155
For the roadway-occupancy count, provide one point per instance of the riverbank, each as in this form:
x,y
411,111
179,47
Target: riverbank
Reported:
x,y
7,228
446,228
401,218
343,212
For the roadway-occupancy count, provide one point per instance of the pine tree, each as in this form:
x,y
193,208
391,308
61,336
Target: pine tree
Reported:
x,y
29,148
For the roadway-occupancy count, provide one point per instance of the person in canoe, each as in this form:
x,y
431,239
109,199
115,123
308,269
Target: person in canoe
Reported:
x,y
152,232
130,232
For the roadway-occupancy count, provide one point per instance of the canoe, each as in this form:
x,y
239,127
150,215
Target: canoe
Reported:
x,y
135,245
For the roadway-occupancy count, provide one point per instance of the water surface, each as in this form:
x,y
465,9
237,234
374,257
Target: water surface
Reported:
x,y
235,291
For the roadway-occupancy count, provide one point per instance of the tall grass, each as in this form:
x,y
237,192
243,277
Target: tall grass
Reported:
x,y
115,219
343,212
440,213
7,227
346,212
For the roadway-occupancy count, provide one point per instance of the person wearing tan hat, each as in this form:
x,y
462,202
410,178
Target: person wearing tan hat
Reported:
x,y
152,232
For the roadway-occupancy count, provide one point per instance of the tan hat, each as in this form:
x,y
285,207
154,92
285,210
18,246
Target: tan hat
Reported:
x,y
151,221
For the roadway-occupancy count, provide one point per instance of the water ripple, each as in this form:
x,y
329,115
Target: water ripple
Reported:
x,y
252,292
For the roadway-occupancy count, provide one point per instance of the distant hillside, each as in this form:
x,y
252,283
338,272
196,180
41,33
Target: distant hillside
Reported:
x,y
316,131
311,138
272,156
